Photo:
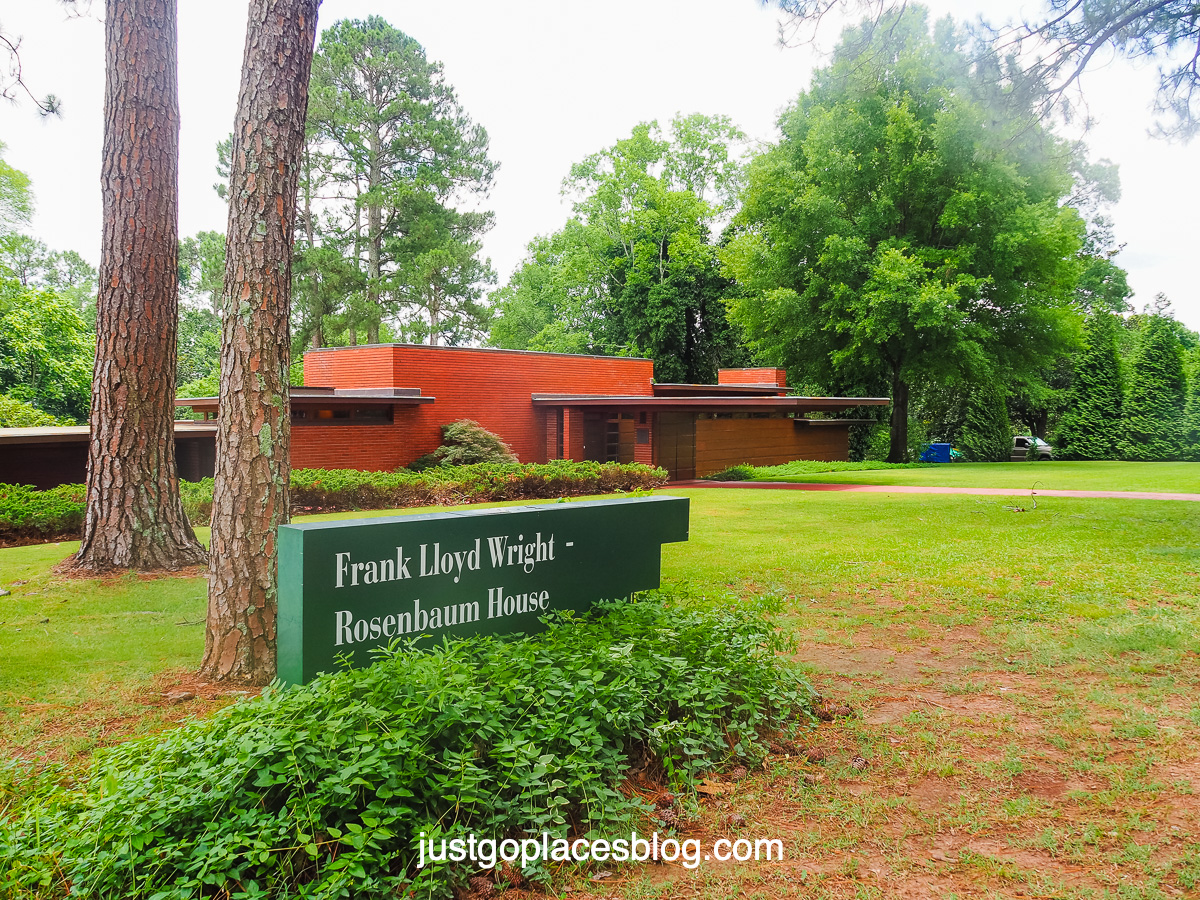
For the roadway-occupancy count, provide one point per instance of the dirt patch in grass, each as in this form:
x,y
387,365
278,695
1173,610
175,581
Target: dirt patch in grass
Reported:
x,y
71,732
955,777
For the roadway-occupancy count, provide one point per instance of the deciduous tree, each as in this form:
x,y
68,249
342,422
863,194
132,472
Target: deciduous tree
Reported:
x,y
636,269
250,495
45,351
1070,36
899,234
134,517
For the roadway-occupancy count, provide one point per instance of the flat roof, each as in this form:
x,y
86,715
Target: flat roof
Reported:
x,y
324,396
71,434
479,350
708,390
699,404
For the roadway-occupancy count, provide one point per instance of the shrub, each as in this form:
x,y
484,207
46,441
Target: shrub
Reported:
x,y
351,489
322,791
16,413
465,443
741,472
26,512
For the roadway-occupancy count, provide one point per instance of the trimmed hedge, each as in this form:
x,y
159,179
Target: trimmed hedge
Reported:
x,y
27,513
323,790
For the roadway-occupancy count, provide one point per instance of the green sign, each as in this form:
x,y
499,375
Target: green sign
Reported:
x,y
348,587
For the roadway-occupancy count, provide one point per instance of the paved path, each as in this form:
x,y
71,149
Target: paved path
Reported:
x,y
918,489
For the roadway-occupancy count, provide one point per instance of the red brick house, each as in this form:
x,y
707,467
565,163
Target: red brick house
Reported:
x,y
381,406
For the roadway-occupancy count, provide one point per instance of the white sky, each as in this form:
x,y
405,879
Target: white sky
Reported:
x,y
551,82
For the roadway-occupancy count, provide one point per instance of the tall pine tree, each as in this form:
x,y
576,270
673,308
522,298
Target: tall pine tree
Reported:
x,y
1153,418
1091,426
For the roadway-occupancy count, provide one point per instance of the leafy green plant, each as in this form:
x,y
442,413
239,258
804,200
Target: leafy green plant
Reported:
x,y
741,472
27,512
465,443
16,413
324,790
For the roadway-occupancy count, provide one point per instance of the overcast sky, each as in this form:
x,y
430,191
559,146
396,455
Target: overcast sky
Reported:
x,y
551,82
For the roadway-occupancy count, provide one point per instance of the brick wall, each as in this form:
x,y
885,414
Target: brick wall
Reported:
x,y
493,387
752,376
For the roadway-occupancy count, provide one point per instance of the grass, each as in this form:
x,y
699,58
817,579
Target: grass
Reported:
x,y
1024,686
1173,477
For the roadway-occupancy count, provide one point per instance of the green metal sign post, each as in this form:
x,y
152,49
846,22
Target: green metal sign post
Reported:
x,y
348,587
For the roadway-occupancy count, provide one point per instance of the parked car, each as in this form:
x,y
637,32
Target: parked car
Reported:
x,y
1024,445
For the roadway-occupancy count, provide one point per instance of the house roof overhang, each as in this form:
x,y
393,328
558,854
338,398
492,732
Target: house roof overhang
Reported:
x,y
717,390
79,434
305,397
711,403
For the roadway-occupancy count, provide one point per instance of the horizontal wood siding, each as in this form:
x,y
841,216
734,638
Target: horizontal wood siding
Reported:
x,y
758,375
493,387
721,443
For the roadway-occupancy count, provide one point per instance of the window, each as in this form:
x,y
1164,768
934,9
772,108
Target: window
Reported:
x,y
343,415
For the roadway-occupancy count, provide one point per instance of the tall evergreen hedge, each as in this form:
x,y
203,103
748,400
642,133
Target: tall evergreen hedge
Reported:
x,y
1153,420
1091,426
986,435
1191,409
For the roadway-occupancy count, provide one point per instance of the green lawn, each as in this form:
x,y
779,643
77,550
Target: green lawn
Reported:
x,y
1174,477
1024,687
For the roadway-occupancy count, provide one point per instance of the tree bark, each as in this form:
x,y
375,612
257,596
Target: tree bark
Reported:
x,y
250,498
898,449
374,235
134,517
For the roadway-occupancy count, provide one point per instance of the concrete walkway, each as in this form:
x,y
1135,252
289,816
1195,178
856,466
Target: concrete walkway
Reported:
x,y
918,489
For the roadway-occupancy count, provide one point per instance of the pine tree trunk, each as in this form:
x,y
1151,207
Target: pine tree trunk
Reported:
x,y
250,499
134,517
374,238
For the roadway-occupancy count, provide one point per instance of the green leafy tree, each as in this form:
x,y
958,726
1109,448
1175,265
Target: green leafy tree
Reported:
x,y
554,300
389,148
986,435
199,353
16,196
1154,405
636,270
16,413
46,352
900,234
24,258
1090,427
202,268
1071,36
443,284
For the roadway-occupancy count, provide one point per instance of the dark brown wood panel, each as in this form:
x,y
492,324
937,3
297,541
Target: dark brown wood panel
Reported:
x,y
675,444
721,443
